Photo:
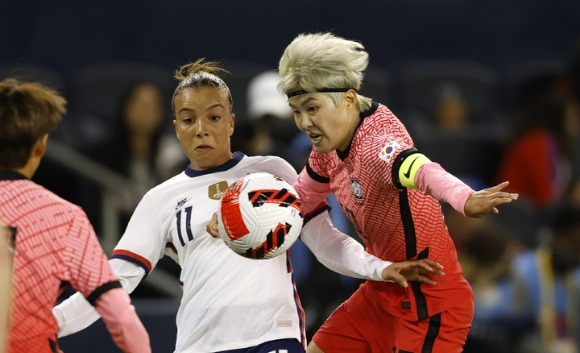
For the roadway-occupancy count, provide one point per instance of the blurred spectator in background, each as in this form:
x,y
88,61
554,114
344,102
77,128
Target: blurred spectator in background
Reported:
x,y
461,228
142,149
270,124
451,108
465,146
574,72
498,322
450,113
551,286
538,160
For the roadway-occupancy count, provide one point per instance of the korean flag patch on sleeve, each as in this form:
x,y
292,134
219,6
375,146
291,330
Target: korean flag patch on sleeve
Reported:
x,y
388,151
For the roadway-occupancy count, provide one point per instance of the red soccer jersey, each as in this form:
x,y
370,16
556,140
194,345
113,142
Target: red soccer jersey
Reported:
x,y
395,225
55,243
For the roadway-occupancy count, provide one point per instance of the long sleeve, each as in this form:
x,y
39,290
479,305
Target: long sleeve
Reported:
x,y
76,313
127,331
434,181
339,252
312,192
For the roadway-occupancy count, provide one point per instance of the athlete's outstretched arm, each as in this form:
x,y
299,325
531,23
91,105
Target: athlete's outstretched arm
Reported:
x,y
416,171
341,253
484,202
93,276
76,313
122,321
434,180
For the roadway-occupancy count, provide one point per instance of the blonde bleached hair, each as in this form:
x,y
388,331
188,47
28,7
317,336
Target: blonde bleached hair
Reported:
x,y
322,61
198,74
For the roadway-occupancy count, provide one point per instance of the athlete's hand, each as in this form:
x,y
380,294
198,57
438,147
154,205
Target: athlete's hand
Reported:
x,y
402,272
211,227
483,202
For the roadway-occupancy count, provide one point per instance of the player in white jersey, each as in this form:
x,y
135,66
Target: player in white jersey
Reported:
x,y
230,303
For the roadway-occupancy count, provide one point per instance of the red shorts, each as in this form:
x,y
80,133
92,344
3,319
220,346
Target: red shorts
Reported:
x,y
357,326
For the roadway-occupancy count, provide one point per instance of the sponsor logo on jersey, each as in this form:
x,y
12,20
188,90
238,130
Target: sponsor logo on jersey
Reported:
x,y
181,203
356,188
388,151
216,191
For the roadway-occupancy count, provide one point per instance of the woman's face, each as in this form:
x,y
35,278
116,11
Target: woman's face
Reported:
x,y
204,124
329,127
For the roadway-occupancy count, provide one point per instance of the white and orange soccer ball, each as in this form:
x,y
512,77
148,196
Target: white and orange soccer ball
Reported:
x,y
260,216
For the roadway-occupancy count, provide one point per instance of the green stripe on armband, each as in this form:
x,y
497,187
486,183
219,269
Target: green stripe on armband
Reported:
x,y
409,169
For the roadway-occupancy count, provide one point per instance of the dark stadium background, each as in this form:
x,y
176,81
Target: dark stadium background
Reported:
x,y
65,36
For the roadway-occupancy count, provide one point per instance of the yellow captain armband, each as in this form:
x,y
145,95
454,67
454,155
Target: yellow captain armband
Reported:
x,y
409,169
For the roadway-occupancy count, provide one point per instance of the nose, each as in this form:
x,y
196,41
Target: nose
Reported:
x,y
303,121
200,129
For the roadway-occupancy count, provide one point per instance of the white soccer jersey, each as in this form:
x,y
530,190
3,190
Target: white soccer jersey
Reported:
x,y
229,302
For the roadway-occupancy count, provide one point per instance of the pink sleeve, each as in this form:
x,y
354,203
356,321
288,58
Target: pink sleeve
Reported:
x,y
85,259
122,321
312,192
435,181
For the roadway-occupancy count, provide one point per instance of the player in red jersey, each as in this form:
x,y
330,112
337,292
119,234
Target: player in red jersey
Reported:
x,y
54,240
390,192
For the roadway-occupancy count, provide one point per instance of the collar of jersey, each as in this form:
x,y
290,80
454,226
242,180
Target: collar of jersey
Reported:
x,y
11,175
220,168
374,106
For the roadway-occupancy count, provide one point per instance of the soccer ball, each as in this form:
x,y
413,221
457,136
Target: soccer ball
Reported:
x,y
260,216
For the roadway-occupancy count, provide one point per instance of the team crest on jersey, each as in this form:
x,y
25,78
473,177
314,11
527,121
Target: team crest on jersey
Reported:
x,y
356,188
389,151
215,191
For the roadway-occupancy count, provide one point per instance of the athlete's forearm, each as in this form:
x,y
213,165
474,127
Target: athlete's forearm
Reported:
x,y
76,313
127,331
433,180
339,252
